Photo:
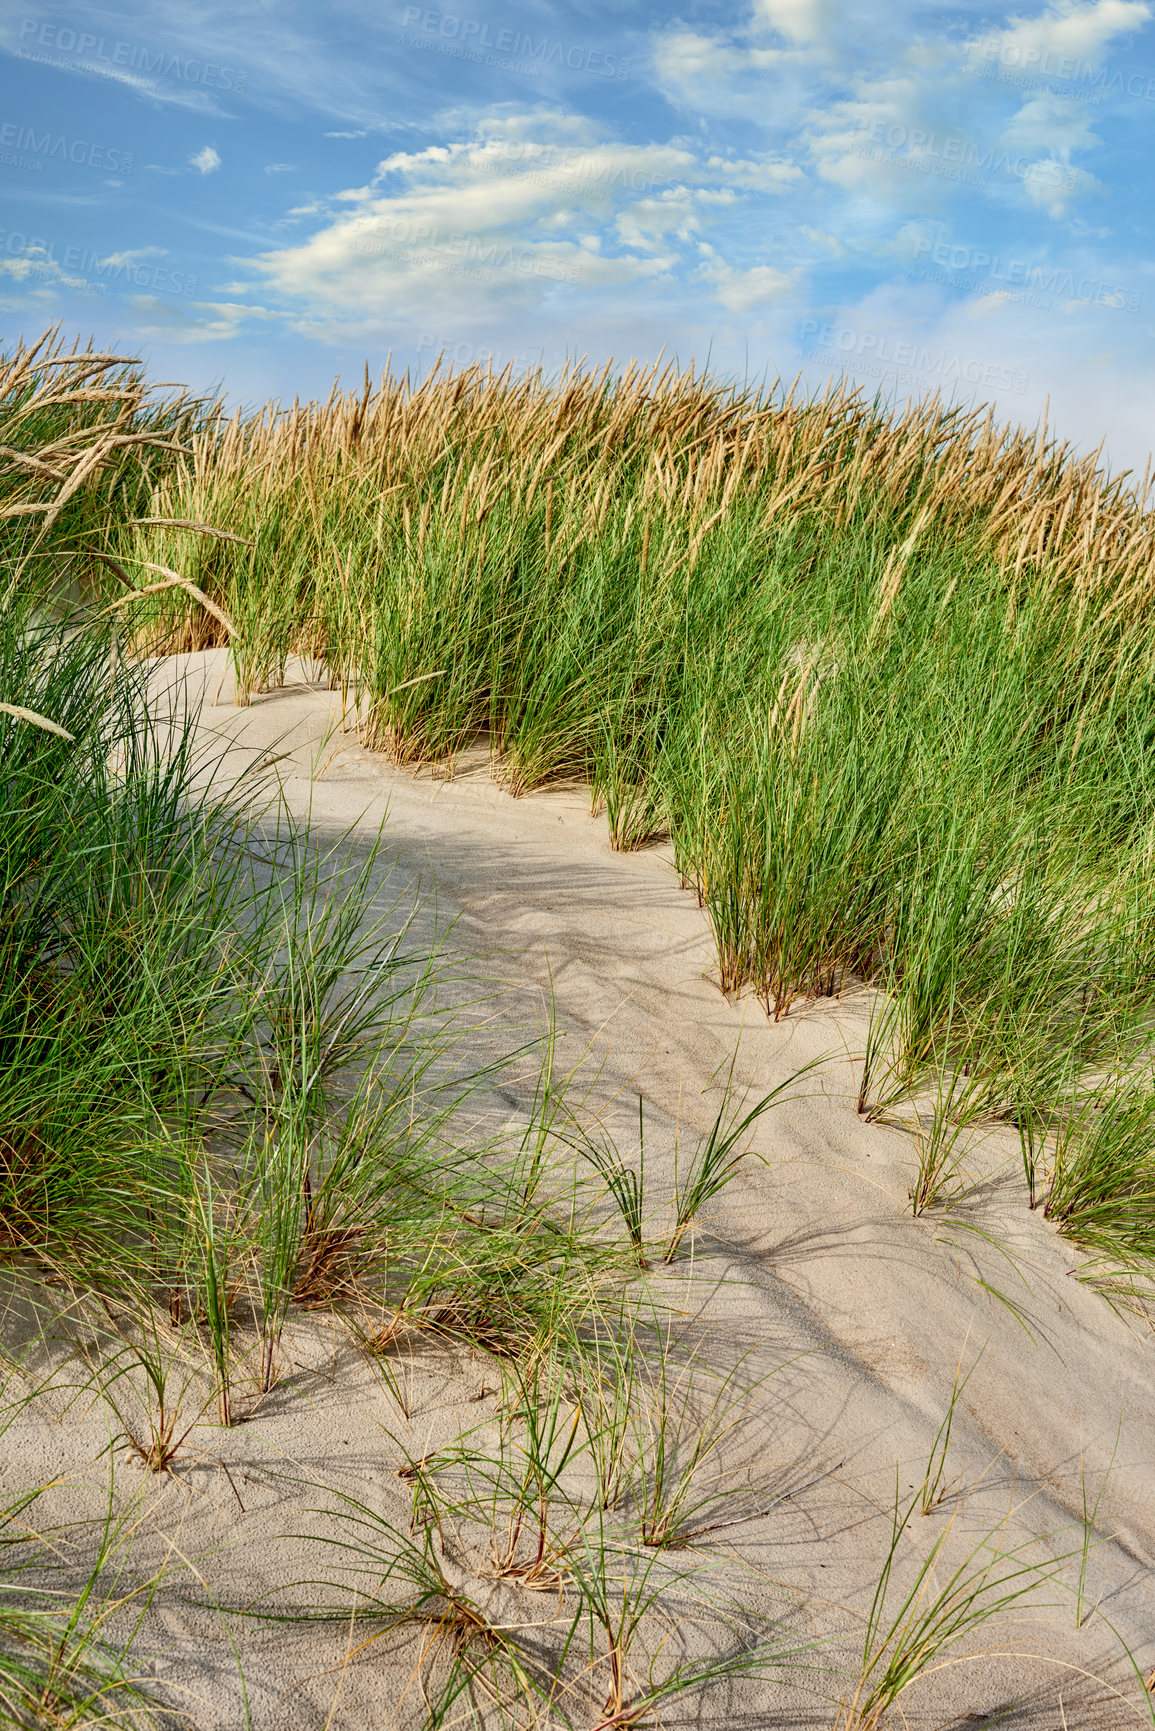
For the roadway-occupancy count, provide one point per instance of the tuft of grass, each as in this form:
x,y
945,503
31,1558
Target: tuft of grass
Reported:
x,y
609,1370
1101,1191
1083,1610
934,1485
942,1144
634,1608
625,1184
469,1658
911,1632
67,1650
716,1160
677,1437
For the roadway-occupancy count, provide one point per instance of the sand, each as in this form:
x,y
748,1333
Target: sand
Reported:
x,y
810,1263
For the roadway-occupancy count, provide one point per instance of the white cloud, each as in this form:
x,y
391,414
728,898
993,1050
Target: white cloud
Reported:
x,y
755,173
646,223
740,291
821,238
909,139
898,120
1053,187
904,340
803,21
913,239
510,221
206,160
1067,31
1052,124
278,168
716,75
160,77
193,321
131,255
37,268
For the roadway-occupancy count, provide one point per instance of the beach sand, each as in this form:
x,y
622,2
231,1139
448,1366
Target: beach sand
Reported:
x,y
809,1268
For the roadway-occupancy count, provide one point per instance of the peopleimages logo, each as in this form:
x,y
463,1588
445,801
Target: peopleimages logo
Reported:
x,y
454,352
931,152
99,271
475,39
1010,63
50,146
1049,280
101,53
875,352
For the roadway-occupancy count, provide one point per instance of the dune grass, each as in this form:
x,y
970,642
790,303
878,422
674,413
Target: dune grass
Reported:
x,y
232,1091
883,679
884,684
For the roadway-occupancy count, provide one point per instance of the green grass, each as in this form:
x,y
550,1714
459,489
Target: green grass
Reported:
x,y
909,1633
884,682
884,685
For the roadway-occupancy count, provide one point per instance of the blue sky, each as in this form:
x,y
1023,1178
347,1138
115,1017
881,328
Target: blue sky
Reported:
x,y
265,194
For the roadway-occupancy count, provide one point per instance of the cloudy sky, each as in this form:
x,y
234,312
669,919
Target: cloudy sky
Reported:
x,y
264,194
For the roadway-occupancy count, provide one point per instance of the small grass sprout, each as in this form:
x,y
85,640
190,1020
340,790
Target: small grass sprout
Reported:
x,y
717,1159
912,1632
625,1184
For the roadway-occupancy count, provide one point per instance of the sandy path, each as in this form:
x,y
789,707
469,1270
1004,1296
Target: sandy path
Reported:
x,y
811,1262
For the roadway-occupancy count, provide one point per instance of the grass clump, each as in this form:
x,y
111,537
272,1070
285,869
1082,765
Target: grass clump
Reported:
x,y
935,1613
882,678
882,681
230,1093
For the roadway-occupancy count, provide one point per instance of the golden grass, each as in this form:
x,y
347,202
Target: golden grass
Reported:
x,y
684,452
95,403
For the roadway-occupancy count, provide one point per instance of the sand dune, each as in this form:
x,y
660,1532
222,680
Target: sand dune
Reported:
x,y
810,1264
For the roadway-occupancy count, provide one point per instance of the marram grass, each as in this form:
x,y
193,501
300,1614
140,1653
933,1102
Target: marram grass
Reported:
x,y
882,677
884,682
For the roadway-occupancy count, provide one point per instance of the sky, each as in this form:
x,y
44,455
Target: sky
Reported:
x,y
261,196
